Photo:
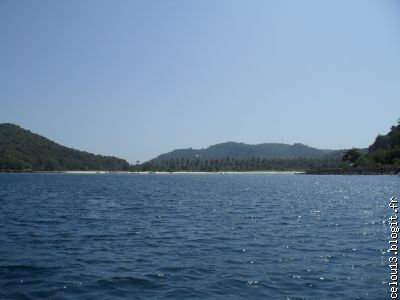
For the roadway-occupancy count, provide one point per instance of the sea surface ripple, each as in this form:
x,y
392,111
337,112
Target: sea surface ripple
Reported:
x,y
186,236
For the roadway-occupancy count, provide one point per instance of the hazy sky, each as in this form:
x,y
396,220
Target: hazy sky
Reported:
x,y
135,79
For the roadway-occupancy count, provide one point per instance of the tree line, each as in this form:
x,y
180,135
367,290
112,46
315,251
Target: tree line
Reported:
x,y
385,151
229,164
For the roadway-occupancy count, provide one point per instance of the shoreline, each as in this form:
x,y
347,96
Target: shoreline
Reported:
x,y
338,171
156,172
384,170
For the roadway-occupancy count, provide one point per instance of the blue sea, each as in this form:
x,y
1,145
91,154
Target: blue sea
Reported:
x,y
194,236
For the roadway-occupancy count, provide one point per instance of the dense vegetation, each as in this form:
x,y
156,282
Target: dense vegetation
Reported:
x,y
385,151
230,164
21,149
245,151
233,156
382,157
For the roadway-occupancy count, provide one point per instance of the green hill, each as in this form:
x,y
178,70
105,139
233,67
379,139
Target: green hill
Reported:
x,y
386,148
21,149
233,156
381,157
245,151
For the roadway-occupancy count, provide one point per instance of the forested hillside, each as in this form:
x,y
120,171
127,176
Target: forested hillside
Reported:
x,y
21,149
384,151
382,157
242,151
386,148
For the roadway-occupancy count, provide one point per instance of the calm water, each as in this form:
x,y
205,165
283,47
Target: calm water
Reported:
x,y
194,236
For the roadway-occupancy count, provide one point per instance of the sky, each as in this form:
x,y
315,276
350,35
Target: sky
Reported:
x,y
135,79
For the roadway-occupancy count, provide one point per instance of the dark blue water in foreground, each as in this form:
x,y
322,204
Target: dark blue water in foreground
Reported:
x,y
194,236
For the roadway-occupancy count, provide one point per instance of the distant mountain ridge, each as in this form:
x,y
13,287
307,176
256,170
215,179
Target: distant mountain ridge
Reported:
x,y
236,150
21,149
